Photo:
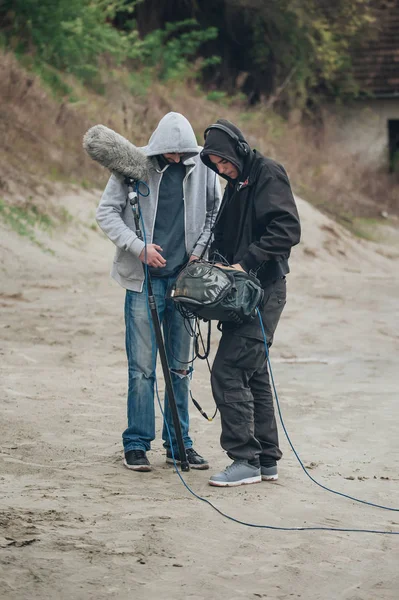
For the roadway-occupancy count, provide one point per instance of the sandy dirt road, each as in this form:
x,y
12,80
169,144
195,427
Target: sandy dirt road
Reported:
x,y
76,525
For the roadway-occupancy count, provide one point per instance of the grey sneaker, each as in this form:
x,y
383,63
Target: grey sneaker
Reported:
x,y
269,473
240,472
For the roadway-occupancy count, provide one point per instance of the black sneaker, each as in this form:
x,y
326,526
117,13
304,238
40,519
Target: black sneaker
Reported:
x,y
194,459
136,460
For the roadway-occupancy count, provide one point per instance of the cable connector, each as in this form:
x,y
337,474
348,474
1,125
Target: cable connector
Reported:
x,y
199,408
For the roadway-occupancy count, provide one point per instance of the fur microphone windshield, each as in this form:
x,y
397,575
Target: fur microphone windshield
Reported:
x,y
116,153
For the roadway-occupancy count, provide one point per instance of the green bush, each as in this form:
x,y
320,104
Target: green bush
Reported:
x,y
67,34
71,36
169,52
52,79
217,96
300,51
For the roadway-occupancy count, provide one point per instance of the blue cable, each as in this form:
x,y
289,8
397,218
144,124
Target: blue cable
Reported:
x,y
255,525
223,514
324,487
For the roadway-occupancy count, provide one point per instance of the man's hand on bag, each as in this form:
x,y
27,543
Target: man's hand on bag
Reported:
x,y
150,255
193,257
236,267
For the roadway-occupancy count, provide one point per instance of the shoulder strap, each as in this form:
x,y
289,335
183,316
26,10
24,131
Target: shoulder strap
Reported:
x,y
222,206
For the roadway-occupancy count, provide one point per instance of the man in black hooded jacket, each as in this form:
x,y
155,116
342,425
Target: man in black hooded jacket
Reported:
x,y
256,228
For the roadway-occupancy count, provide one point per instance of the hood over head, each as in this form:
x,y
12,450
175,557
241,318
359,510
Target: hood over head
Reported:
x,y
221,144
173,134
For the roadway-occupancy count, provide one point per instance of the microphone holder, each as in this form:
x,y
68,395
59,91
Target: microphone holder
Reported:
x,y
132,186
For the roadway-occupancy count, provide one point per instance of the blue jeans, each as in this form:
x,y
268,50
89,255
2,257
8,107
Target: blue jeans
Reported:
x,y
141,350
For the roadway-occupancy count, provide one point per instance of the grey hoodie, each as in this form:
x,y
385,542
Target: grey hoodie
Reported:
x,y
201,192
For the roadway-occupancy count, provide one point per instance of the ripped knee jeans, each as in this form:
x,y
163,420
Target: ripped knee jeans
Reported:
x,y
141,351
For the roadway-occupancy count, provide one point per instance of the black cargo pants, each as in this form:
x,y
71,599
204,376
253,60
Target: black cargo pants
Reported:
x,y
241,385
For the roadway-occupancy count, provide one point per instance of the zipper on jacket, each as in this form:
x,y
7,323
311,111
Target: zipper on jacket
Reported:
x,y
156,207
153,226
191,169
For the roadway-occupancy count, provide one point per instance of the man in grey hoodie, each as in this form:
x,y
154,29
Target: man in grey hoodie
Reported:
x,y
177,217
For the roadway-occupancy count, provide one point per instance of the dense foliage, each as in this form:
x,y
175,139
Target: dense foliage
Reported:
x,y
292,52
67,34
168,52
73,35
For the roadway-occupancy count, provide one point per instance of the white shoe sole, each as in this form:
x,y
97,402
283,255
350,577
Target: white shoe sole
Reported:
x,y
246,481
269,477
137,467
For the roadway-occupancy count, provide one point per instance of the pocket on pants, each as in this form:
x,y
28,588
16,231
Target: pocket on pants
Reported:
x,y
272,308
244,353
236,411
237,396
236,407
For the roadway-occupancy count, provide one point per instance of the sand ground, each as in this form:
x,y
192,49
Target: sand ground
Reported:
x,y
76,525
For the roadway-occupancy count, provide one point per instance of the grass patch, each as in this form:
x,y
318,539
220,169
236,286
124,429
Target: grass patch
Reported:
x,y
64,216
52,79
367,228
139,82
217,96
24,221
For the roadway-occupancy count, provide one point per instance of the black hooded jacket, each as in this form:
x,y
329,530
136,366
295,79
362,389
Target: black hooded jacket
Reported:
x,y
258,221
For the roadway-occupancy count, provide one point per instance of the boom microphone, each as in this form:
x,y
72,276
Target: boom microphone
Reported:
x,y
116,153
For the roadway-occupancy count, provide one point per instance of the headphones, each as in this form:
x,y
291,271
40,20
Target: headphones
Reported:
x,y
242,147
